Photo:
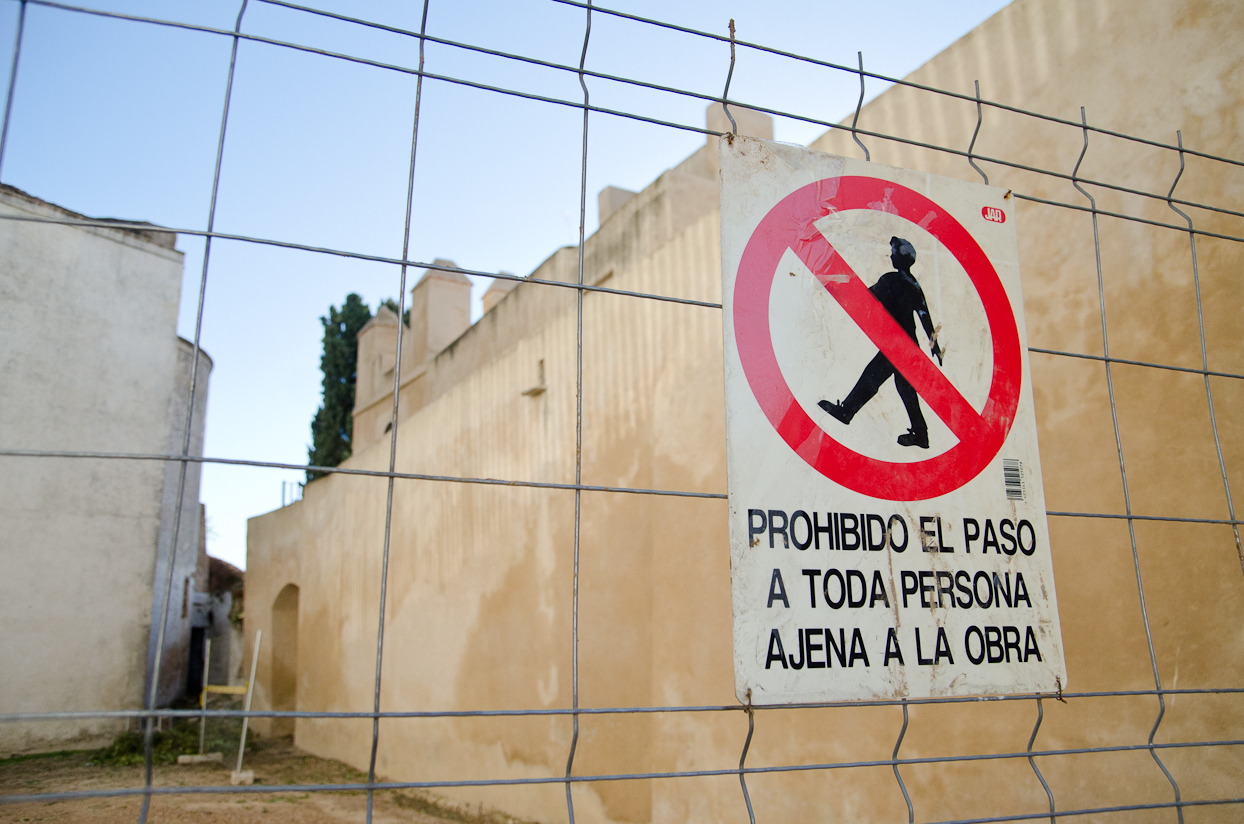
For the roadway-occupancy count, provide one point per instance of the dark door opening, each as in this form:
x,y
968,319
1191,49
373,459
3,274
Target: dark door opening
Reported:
x,y
194,671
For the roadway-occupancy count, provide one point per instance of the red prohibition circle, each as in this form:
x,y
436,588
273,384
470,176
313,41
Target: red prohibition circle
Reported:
x,y
980,433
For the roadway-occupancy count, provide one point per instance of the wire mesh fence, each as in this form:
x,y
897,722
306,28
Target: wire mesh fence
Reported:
x,y
1114,207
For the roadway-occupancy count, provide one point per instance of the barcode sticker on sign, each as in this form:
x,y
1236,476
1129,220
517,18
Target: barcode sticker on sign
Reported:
x,y
1013,477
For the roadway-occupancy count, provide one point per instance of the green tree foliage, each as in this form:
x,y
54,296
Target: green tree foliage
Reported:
x,y
332,428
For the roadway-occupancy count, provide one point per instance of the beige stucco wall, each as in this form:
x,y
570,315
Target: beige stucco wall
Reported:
x,y
478,613
90,362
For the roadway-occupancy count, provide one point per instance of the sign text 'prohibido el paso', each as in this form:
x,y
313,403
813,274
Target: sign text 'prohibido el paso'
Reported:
x,y
888,536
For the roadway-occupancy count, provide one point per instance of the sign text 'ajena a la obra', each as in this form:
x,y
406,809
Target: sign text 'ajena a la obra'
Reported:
x,y
887,518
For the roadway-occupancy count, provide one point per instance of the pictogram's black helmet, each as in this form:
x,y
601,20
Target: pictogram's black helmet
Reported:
x,y
902,249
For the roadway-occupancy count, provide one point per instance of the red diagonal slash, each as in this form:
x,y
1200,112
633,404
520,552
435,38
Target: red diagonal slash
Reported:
x,y
836,275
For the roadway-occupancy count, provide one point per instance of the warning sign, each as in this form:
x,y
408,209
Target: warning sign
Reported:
x,y
887,518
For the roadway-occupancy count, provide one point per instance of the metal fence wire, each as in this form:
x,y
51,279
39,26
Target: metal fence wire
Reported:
x,y
1189,218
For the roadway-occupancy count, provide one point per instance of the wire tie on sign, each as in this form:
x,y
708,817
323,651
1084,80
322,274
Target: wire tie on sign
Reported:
x,y
734,127
1058,696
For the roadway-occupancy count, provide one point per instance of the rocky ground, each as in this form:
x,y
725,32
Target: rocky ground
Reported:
x,y
275,761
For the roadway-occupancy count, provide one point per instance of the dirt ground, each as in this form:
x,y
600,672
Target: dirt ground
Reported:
x,y
275,761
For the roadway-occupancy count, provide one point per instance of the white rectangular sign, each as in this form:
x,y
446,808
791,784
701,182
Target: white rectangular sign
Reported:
x,y
888,536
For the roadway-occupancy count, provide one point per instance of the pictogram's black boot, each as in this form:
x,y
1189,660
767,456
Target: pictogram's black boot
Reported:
x,y
914,438
837,410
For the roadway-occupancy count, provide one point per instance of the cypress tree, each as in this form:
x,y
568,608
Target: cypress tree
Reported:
x,y
332,427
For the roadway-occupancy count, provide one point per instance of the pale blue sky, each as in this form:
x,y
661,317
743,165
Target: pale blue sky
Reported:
x,y
121,119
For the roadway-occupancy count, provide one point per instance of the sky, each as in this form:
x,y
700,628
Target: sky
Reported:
x,y
116,118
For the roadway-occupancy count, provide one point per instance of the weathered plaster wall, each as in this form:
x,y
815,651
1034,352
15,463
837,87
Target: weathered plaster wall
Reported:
x,y
1145,69
478,612
90,362
503,643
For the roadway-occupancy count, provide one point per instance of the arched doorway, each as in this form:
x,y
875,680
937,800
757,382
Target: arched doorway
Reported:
x,y
284,651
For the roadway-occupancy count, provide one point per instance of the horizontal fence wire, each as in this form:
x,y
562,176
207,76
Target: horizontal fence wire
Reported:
x,y
554,711
377,473
412,476
301,247
372,473
779,113
703,773
1147,364
581,288
698,95
896,81
81,795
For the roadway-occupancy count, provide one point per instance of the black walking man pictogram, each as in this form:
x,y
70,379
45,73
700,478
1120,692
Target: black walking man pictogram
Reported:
x,y
902,297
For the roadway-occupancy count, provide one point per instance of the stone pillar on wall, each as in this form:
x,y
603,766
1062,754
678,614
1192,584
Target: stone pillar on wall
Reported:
x,y
496,291
750,122
377,346
440,311
610,199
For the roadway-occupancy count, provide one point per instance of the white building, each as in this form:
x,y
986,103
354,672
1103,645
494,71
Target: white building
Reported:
x,y
90,361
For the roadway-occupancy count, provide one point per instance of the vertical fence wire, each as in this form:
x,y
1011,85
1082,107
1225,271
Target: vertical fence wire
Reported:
x,y
911,812
725,93
153,674
184,458
859,104
1200,319
393,425
578,423
747,744
8,99
1032,762
976,132
1118,441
